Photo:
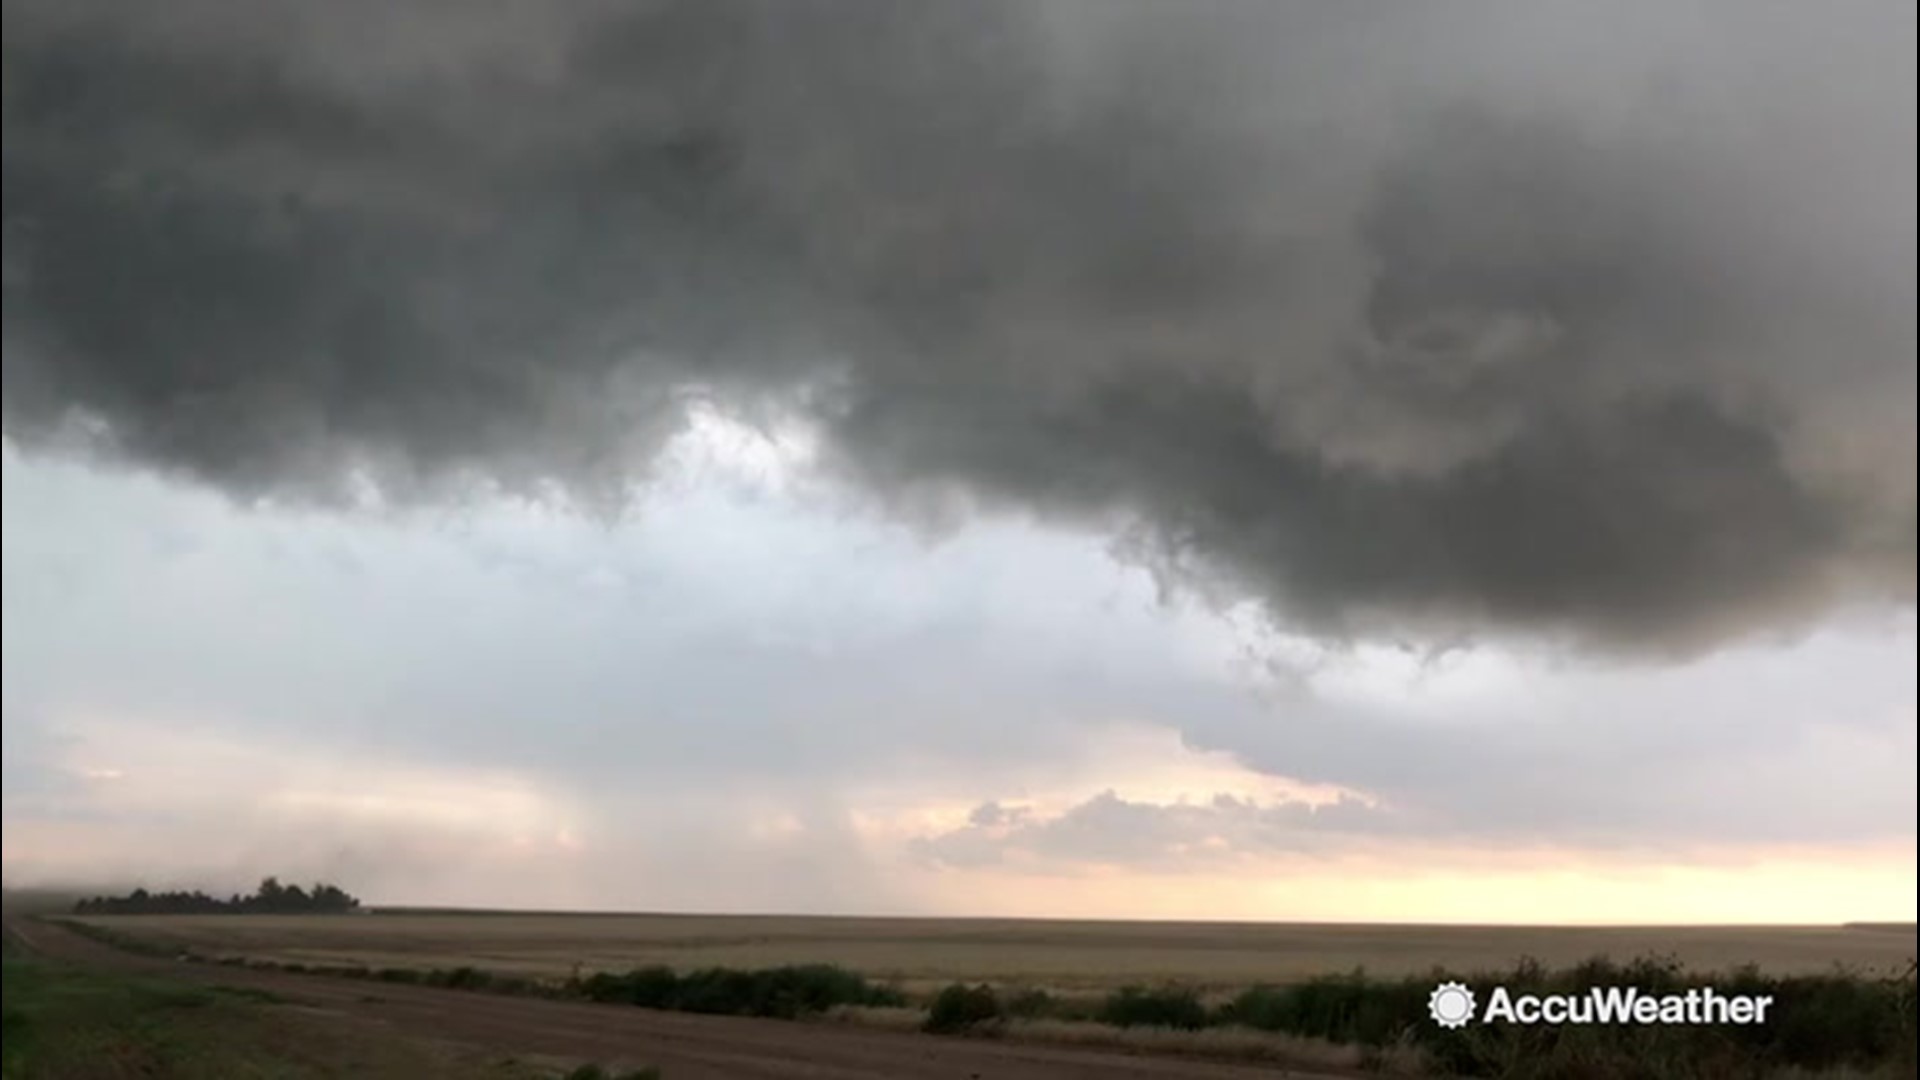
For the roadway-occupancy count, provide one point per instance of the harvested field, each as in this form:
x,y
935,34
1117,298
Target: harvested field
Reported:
x,y
1058,954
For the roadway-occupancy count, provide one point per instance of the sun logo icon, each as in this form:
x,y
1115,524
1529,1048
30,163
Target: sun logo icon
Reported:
x,y
1450,1005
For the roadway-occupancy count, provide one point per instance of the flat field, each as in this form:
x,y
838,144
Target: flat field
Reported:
x,y
1055,954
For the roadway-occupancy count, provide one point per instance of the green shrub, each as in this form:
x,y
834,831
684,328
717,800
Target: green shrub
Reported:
x,y
651,987
602,986
811,988
460,978
342,971
779,992
1164,1006
1342,1008
717,990
1032,1003
960,1007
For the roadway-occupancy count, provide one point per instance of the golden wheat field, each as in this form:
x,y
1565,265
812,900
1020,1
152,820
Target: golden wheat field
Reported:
x,y
1060,954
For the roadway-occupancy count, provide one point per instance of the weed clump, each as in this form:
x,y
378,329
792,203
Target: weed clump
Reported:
x,y
1163,1006
1032,1003
784,992
960,1008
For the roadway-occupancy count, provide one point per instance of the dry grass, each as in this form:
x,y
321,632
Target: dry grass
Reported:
x,y
1064,956
1231,1043
1226,1043
881,1017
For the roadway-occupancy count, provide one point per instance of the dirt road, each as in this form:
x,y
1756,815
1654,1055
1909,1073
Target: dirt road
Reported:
x,y
684,1046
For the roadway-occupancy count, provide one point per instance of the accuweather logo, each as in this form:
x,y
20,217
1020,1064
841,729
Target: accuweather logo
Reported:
x,y
1451,1005
1454,1005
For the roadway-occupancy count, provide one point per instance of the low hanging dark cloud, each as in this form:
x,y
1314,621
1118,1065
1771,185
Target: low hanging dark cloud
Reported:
x,y
1406,320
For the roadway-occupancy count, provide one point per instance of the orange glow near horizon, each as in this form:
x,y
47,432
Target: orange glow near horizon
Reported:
x,y
1800,890
174,809
1457,888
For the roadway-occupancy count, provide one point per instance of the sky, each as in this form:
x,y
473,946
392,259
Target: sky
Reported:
x,y
1225,460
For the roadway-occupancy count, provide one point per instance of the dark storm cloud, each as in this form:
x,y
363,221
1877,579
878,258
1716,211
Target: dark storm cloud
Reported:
x,y
1384,317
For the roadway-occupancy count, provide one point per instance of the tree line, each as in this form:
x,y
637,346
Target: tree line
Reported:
x,y
271,898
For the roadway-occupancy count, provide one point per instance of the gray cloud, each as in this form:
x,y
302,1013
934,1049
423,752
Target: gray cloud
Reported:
x,y
1388,318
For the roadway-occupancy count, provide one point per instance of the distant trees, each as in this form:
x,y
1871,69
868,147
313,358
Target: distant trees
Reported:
x,y
272,898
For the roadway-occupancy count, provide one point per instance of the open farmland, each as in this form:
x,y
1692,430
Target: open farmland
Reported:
x,y
922,953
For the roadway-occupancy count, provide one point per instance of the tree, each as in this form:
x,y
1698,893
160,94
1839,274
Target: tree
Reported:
x,y
271,897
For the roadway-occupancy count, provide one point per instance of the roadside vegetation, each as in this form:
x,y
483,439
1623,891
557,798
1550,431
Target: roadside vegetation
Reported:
x,y
783,992
1842,1023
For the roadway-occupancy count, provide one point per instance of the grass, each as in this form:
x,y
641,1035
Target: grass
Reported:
x,y
67,1023
1227,1043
